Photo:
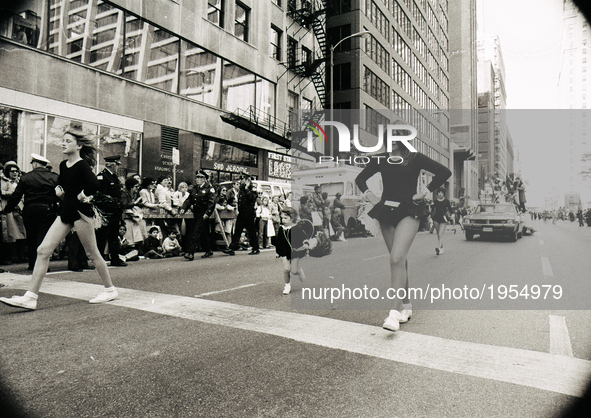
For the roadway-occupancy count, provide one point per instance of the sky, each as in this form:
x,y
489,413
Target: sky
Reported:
x,y
530,34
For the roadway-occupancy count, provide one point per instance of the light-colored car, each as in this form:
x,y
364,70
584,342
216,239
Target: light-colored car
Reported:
x,y
495,219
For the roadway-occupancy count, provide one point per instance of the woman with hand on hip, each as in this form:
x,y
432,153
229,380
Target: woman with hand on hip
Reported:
x,y
398,213
76,186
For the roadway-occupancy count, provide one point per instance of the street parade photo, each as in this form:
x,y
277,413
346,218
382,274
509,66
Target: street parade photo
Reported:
x,y
295,208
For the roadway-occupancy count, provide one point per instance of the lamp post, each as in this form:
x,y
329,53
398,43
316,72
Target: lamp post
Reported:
x,y
332,48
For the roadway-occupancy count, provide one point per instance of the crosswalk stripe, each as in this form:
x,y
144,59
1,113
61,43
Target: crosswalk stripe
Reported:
x,y
534,369
559,337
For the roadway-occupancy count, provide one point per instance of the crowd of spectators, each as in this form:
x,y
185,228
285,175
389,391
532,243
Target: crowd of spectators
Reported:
x,y
151,219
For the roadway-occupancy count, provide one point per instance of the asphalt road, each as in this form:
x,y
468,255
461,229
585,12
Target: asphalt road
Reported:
x,y
217,338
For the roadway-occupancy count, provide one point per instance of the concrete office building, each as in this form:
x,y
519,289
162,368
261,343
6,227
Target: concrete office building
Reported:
x,y
152,77
575,118
495,146
463,63
398,72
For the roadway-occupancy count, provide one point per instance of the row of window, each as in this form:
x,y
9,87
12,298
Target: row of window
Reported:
x,y
216,15
376,87
377,53
373,119
377,18
112,39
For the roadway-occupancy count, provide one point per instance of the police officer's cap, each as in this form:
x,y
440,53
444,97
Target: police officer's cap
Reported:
x,y
338,194
201,173
113,159
36,158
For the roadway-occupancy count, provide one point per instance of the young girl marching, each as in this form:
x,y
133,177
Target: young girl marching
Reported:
x,y
291,243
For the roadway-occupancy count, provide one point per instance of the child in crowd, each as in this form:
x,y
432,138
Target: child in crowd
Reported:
x,y
171,245
337,226
152,247
291,245
127,251
263,213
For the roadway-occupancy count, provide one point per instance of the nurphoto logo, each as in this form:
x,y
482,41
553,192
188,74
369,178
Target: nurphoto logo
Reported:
x,y
390,133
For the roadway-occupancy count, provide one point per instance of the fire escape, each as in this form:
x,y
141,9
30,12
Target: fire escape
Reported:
x,y
307,66
302,66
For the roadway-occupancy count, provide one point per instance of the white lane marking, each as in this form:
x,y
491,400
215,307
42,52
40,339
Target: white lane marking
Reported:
x,y
376,257
559,337
534,369
546,267
225,290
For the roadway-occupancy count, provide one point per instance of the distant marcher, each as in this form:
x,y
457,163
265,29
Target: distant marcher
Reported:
x,y
441,213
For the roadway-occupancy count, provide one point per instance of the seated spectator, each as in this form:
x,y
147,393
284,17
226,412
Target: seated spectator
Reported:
x,y
171,245
337,226
152,246
127,251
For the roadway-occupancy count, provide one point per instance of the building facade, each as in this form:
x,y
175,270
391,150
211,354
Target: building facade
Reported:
x,y
214,80
396,70
463,63
575,102
495,156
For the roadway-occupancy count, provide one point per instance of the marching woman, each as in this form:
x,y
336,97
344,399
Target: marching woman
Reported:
x,y
76,186
398,212
441,216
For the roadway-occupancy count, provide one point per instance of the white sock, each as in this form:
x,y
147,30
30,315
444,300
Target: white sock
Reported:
x,y
407,306
110,289
30,294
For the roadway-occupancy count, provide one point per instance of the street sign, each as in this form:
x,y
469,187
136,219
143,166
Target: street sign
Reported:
x,y
176,156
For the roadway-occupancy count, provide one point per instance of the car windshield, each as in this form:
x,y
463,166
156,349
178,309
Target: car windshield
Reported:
x,y
508,209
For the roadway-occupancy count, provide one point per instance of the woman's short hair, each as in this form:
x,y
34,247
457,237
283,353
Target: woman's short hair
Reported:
x,y
130,182
146,182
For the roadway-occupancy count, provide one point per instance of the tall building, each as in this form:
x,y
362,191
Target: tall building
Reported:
x,y
463,63
398,71
495,147
215,80
574,89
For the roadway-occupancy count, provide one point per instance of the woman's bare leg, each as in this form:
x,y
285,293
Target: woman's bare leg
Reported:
x,y
398,241
56,234
87,237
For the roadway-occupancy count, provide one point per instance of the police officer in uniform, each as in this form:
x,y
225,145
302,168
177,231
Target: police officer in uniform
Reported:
x,y
40,203
202,201
247,198
110,204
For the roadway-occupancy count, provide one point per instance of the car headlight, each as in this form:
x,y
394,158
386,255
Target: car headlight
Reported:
x,y
467,221
510,221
